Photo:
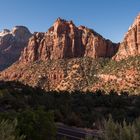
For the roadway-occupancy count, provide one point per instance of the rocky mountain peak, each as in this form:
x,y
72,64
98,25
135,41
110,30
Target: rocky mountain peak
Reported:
x,y
62,26
60,21
11,44
20,31
130,46
4,32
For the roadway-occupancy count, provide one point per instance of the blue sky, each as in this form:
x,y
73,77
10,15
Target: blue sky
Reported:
x,y
110,18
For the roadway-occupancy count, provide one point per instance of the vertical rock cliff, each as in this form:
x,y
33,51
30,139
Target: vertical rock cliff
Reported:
x,y
65,40
130,46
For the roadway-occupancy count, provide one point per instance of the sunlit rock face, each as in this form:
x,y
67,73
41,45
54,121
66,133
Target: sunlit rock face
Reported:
x,y
52,50
130,46
11,44
65,40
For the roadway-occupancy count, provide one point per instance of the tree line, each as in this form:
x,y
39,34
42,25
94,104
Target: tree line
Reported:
x,y
36,111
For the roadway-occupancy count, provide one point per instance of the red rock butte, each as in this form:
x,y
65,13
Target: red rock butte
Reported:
x,y
65,40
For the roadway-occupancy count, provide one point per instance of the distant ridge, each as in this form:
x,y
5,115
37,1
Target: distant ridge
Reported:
x,y
11,44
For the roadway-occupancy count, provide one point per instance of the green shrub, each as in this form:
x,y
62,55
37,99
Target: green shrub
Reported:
x,y
37,125
8,130
115,131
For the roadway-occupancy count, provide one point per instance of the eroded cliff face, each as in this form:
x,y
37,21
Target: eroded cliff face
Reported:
x,y
11,44
43,64
130,46
43,60
65,40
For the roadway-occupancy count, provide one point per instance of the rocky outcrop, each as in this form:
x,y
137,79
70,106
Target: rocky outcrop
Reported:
x,y
11,45
131,43
71,74
65,40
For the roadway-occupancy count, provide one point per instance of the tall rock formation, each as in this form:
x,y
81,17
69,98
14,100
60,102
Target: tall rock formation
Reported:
x,y
11,45
65,40
130,46
62,40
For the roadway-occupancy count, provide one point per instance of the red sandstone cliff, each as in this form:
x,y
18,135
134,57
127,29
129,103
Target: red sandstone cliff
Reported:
x,y
130,46
65,40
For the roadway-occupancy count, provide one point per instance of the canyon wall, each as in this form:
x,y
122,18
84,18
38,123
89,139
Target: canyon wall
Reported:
x,y
130,46
65,40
